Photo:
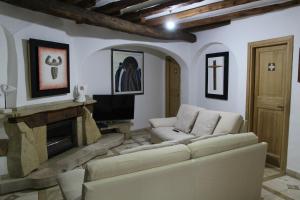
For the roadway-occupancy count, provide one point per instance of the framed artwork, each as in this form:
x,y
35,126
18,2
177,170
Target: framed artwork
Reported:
x,y
216,78
49,68
299,68
127,69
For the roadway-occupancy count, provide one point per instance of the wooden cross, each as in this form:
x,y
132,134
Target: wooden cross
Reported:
x,y
214,67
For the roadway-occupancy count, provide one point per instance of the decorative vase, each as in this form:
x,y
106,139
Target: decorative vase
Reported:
x,y
54,72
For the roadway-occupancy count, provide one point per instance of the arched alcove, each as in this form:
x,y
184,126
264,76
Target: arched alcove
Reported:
x,y
198,79
152,103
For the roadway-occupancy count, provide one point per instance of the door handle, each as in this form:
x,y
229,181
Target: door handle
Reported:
x,y
281,107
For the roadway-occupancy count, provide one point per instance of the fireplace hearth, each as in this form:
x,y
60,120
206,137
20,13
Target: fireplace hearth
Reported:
x,y
61,137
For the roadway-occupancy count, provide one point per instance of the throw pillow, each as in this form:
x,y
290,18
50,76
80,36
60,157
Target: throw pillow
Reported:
x,y
206,123
186,118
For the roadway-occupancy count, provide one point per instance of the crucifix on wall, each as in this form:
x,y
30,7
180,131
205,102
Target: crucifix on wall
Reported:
x,y
217,75
214,66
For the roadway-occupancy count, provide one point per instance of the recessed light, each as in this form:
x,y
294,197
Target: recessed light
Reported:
x,y
170,25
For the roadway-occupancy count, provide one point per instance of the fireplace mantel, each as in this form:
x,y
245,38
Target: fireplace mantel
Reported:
x,y
43,114
26,128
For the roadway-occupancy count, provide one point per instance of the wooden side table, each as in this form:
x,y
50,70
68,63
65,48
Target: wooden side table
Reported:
x,y
119,127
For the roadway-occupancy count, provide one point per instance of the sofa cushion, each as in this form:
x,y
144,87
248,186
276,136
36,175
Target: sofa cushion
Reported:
x,y
134,162
205,123
149,146
168,133
70,184
228,123
163,122
186,117
220,144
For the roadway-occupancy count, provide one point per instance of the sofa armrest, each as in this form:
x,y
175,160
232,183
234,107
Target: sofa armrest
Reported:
x,y
70,184
163,122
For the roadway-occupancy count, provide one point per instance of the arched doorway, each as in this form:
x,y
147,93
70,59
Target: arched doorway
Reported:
x,y
173,80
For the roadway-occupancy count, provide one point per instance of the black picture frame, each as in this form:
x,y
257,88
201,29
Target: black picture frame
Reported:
x,y
223,95
299,67
35,68
127,53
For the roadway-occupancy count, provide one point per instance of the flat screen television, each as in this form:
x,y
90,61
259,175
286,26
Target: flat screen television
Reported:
x,y
113,107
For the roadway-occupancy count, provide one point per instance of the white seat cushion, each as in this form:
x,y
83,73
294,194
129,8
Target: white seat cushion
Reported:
x,y
205,123
186,117
168,133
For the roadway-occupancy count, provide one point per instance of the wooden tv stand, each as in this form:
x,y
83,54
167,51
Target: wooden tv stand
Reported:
x,y
119,127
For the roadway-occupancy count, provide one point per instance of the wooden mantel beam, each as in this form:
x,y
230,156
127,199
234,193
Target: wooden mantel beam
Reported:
x,y
238,14
81,15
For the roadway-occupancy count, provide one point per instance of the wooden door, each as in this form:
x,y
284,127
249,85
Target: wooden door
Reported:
x,y
271,98
172,87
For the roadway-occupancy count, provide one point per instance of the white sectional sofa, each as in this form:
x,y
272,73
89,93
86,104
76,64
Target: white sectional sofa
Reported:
x,y
193,122
228,167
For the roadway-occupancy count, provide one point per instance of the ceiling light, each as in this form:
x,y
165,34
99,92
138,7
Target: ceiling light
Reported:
x,y
170,25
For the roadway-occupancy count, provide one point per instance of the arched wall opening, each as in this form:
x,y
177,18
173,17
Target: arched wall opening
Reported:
x,y
198,80
3,61
96,74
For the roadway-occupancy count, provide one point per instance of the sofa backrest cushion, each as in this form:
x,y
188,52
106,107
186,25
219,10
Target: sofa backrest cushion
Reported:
x,y
205,123
138,161
220,144
228,123
186,117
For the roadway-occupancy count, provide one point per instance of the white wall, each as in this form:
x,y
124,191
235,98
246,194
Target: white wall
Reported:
x,y
85,40
96,74
235,38
21,24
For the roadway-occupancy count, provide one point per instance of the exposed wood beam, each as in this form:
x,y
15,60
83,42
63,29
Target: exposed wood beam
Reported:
x,y
68,11
114,8
239,14
139,15
81,3
209,26
86,3
197,11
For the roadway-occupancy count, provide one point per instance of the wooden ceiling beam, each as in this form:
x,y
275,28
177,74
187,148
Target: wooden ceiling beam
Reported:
x,y
86,3
239,14
139,15
68,11
114,8
197,11
81,3
209,26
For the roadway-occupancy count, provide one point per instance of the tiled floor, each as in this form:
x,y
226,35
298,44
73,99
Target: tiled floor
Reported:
x,y
274,187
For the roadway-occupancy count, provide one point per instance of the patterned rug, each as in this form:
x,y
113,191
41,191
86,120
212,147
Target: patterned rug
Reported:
x,y
277,188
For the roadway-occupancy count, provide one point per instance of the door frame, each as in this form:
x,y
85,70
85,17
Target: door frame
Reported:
x,y
289,41
167,81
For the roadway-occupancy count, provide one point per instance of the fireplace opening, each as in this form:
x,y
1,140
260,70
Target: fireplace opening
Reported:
x,y
60,137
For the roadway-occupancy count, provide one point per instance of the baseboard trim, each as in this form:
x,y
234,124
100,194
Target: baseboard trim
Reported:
x,y
293,173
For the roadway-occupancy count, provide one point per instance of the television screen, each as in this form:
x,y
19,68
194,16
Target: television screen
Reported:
x,y
113,107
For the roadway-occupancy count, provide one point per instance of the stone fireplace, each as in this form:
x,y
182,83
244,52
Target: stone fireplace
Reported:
x,y
61,136
39,132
